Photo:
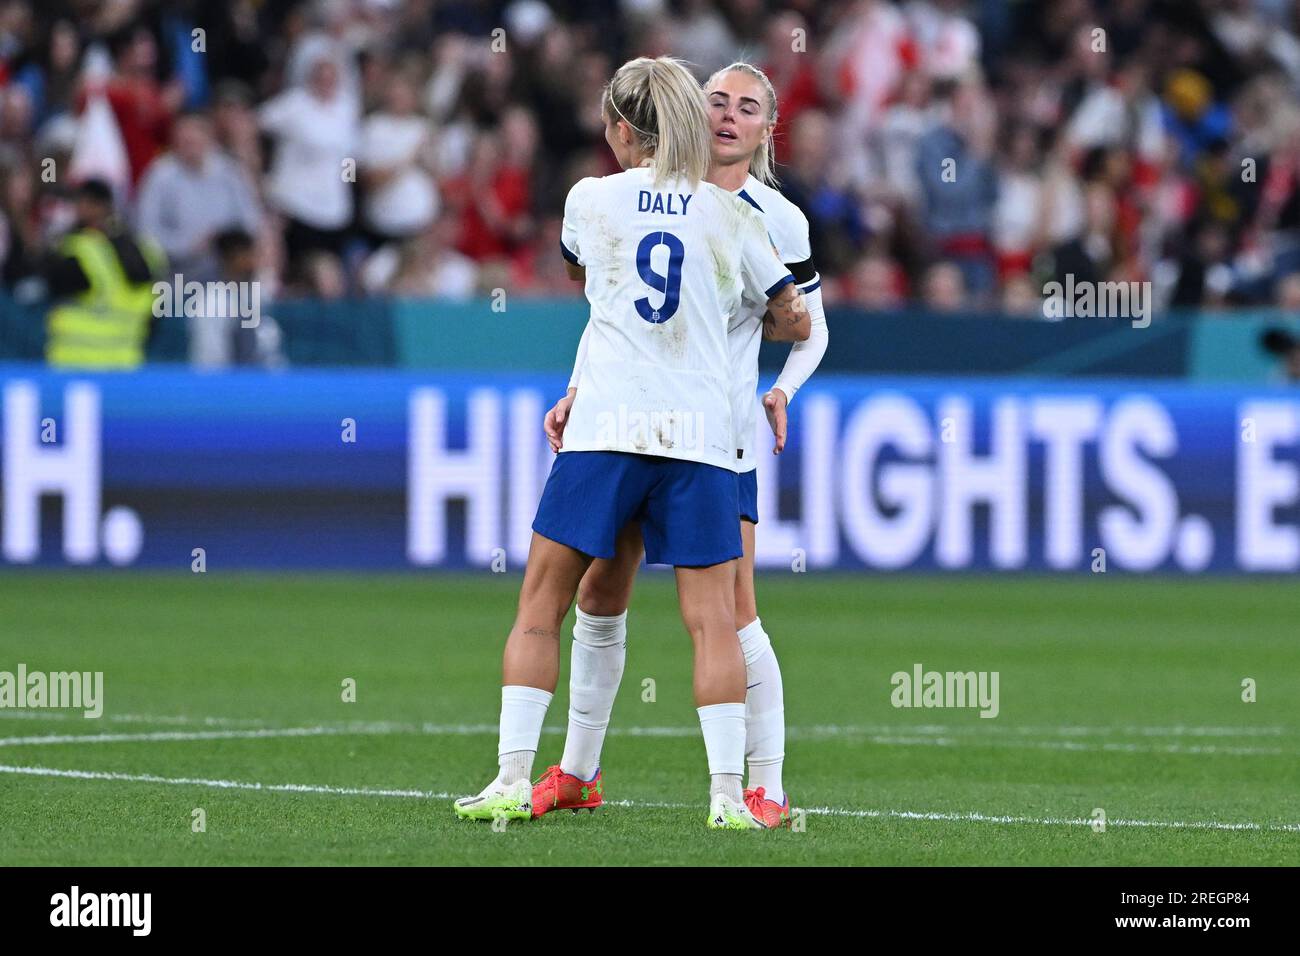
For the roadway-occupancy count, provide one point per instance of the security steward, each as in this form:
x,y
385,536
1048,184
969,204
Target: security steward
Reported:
x,y
101,277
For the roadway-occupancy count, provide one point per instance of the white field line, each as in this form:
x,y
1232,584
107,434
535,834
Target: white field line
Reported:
x,y
166,735
221,784
478,730
1109,746
977,728
179,720
924,815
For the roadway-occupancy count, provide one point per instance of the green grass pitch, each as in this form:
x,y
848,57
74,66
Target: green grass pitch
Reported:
x,y
224,693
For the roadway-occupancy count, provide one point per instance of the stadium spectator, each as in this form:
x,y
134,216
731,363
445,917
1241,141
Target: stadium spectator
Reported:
x,y
944,287
401,199
234,127
237,51
1204,275
947,44
317,275
426,265
1192,116
315,132
493,197
326,35
1020,215
15,123
222,336
143,106
869,54
22,246
959,185
1089,256
540,274
893,160
793,76
50,76
192,193
702,37
102,280
1021,299
875,283
1117,110
818,185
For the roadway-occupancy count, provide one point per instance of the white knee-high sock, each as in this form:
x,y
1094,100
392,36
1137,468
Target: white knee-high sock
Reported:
x,y
764,711
522,711
724,743
599,650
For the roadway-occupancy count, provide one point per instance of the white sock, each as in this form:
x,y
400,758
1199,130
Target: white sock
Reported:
x,y
764,711
515,766
599,649
724,743
522,711
727,784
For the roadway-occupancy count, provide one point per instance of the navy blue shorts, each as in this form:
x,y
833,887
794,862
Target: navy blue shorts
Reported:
x,y
747,493
687,510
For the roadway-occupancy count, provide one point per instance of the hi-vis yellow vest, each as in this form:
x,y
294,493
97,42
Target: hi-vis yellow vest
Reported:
x,y
105,326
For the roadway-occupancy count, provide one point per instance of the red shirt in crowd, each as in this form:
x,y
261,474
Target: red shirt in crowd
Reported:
x,y
143,118
485,219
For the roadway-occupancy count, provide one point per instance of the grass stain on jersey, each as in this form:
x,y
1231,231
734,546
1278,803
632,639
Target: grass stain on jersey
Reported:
x,y
664,431
611,244
722,268
671,337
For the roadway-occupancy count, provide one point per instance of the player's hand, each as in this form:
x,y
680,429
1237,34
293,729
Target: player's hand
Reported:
x,y
774,403
557,418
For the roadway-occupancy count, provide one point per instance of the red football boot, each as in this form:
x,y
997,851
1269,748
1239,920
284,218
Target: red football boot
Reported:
x,y
557,790
768,812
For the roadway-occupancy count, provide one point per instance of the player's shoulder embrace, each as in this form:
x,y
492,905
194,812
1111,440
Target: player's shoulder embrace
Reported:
x,y
732,203
786,222
776,205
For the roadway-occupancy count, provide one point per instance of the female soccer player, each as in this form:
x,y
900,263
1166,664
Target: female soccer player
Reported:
x,y
666,259
742,107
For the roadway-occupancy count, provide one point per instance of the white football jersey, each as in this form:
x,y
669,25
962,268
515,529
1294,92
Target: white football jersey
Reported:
x,y
667,268
788,228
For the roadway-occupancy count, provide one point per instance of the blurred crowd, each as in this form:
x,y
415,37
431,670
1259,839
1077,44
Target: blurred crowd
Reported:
x,y
954,154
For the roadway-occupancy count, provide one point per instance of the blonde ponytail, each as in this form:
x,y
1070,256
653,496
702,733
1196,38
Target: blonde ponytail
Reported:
x,y
762,165
667,112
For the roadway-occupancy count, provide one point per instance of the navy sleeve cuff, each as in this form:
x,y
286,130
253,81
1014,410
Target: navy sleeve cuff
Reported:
x,y
780,285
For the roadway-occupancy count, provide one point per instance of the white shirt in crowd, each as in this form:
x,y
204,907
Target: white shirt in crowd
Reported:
x,y
313,139
1018,215
407,203
449,275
